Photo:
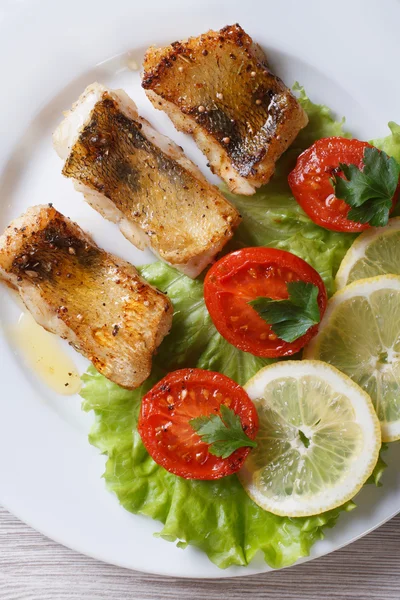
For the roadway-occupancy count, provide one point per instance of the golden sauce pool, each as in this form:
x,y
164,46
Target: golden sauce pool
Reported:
x,y
44,354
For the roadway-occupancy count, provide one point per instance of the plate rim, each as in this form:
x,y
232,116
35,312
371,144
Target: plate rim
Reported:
x,y
39,7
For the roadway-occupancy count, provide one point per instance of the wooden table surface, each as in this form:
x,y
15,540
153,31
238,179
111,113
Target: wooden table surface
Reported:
x,y
33,567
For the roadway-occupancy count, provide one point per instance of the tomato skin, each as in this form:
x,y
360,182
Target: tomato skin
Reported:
x,y
164,422
244,275
311,186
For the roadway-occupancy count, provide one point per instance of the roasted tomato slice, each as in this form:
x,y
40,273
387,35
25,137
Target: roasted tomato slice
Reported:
x,y
310,181
167,434
245,275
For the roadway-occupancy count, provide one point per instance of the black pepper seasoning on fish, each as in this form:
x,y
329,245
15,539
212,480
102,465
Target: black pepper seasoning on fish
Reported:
x,y
134,176
95,300
221,91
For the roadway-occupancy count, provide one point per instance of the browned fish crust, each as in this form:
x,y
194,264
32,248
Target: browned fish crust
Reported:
x,y
183,216
220,82
77,290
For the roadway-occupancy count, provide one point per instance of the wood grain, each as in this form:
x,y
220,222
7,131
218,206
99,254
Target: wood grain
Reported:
x,y
33,567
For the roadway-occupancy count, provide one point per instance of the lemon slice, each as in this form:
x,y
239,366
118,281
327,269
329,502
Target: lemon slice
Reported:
x,y
360,335
318,441
375,252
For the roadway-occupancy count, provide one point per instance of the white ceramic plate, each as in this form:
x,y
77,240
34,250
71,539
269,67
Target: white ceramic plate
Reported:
x,y
344,53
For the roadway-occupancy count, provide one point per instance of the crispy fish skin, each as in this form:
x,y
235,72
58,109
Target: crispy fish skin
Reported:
x,y
138,178
218,88
73,288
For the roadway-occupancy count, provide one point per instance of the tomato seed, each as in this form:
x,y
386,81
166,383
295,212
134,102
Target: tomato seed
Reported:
x,y
272,337
330,200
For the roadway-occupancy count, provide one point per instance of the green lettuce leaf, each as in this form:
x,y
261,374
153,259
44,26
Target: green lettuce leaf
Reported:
x,y
218,517
391,143
194,341
321,122
376,476
272,217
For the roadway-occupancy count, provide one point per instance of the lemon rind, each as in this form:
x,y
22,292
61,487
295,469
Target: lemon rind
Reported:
x,y
357,249
374,435
390,430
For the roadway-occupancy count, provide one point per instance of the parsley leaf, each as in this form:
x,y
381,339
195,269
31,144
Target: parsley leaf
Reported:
x,y
369,191
225,435
292,318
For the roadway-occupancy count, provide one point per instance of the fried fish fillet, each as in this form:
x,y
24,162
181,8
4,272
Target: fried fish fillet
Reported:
x,y
141,180
218,88
93,299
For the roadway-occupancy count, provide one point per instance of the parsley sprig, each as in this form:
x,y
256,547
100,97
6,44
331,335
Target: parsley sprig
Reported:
x,y
224,434
291,318
369,191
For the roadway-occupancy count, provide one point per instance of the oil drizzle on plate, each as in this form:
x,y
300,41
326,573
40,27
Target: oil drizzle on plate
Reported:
x,y
44,355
